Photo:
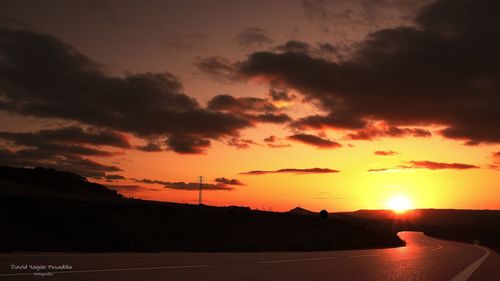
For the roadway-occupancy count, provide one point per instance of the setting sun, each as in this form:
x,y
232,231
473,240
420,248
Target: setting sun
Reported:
x,y
399,204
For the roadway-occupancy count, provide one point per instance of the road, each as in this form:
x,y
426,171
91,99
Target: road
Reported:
x,y
423,258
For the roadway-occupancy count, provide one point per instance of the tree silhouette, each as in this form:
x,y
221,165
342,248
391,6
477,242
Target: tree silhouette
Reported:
x,y
323,214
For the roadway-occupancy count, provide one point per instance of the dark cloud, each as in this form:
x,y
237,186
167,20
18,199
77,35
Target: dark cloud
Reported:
x,y
429,165
439,166
218,68
375,132
314,141
292,171
62,149
280,95
360,15
68,135
385,153
272,141
229,181
241,143
250,108
444,70
126,187
322,50
279,145
148,181
186,185
242,104
382,169
276,118
150,147
294,46
252,36
112,178
129,189
45,158
331,121
496,154
327,48
54,149
44,77
188,144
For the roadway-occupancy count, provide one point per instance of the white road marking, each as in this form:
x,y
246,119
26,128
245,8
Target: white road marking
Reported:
x,y
107,270
296,260
467,272
362,256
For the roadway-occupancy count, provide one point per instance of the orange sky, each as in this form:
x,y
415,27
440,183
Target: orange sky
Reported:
x,y
435,169
351,189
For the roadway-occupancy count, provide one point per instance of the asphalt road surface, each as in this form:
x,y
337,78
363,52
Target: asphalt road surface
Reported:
x,y
423,258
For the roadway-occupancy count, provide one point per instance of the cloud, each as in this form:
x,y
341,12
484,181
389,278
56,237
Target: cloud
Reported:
x,y
294,46
452,81
188,144
186,185
229,181
293,171
112,178
129,189
359,16
322,50
45,158
277,94
242,104
439,166
372,132
63,148
125,187
219,69
314,141
68,135
272,141
331,121
382,169
429,165
279,118
44,77
252,36
250,108
385,153
241,143
150,147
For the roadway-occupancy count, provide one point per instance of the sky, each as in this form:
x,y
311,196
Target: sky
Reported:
x,y
324,104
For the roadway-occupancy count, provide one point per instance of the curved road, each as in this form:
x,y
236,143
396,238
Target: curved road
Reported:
x,y
423,258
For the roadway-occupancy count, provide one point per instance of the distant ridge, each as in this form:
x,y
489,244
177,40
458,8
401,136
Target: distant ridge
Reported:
x,y
302,211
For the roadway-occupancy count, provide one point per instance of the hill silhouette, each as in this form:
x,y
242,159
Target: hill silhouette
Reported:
x,y
47,210
302,211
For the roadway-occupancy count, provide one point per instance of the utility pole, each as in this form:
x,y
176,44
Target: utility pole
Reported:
x,y
200,178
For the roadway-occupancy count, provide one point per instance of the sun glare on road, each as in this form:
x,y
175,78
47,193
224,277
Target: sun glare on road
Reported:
x,y
399,204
